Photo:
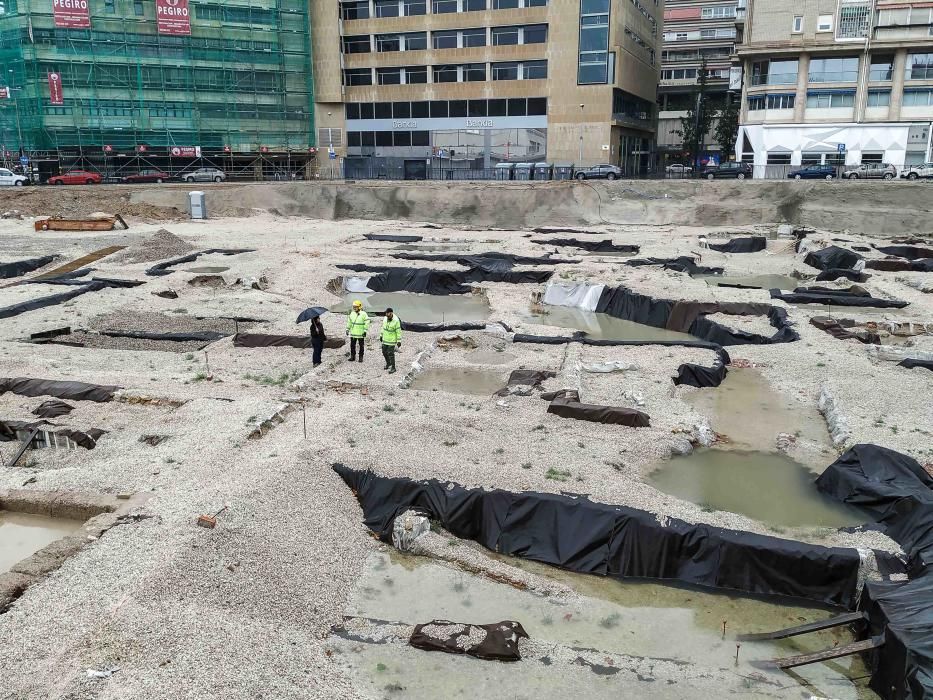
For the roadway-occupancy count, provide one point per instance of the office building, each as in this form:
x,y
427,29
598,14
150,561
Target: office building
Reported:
x,y
411,88
835,81
121,84
696,33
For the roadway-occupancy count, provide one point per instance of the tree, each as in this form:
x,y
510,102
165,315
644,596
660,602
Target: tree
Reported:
x,y
696,124
727,130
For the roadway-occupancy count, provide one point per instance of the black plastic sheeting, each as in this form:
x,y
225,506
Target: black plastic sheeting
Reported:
x,y
531,378
831,258
475,259
837,328
835,273
392,238
681,264
441,327
443,282
52,409
194,336
264,340
55,299
499,639
9,432
901,265
569,406
23,267
605,246
576,534
562,229
73,277
911,252
910,363
162,267
828,297
752,244
74,391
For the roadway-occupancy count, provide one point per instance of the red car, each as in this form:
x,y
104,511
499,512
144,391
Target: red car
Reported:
x,y
147,176
75,177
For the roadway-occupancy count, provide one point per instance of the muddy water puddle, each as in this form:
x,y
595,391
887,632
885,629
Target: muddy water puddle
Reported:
x,y
676,632
421,308
766,486
208,270
759,281
24,534
599,326
457,380
489,357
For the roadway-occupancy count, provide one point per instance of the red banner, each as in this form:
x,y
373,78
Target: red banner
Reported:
x,y
4,93
72,14
56,97
185,151
173,17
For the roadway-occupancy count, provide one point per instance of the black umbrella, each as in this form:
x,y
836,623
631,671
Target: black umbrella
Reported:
x,y
310,314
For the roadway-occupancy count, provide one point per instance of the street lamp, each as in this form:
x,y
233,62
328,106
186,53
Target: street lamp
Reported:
x,y
581,133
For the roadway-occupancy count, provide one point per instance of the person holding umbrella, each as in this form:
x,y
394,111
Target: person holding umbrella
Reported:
x,y
391,339
317,331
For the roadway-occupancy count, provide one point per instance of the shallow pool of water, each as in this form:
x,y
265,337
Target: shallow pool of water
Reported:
x,y
208,270
489,357
769,487
760,281
432,247
23,534
678,631
421,308
456,380
599,326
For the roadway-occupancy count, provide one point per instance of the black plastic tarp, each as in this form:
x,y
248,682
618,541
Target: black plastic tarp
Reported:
x,y
836,329
191,336
10,431
471,259
835,273
23,267
804,295
568,407
911,252
162,268
580,535
55,299
392,238
752,244
564,229
74,391
498,640
901,265
52,409
441,327
910,363
442,282
605,246
831,258
265,340
681,264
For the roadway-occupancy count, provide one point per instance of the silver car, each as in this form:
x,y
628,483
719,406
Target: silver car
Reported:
x,y
603,171
204,175
915,172
871,171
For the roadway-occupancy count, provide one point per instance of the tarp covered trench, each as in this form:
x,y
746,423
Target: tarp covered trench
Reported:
x,y
751,244
680,264
835,297
266,340
443,282
162,268
604,246
473,259
11,431
75,391
23,267
834,257
95,285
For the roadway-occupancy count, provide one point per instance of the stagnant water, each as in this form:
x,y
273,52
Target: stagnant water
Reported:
x,y
433,247
599,326
675,633
457,380
421,308
767,486
23,534
761,281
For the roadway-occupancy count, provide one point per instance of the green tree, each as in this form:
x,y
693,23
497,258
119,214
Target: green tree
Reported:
x,y
727,129
699,118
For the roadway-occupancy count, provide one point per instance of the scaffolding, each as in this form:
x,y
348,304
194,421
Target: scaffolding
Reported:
x,y
239,89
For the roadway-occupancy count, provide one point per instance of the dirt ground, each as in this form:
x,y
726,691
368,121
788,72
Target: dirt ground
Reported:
x,y
246,609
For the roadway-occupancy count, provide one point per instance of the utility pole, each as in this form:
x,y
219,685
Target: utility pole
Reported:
x,y
581,136
697,137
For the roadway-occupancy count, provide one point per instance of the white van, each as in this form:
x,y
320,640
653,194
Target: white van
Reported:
x,y
8,177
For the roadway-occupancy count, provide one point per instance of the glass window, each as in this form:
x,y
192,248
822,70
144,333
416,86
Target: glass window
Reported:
x,y
920,66
774,72
420,138
439,109
420,110
383,138
413,8
474,5
517,107
588,7
444,7
138,8
416,41
833,70
458,108
505,71
537,106
358,76
535,34
389,76
474,72
353,110
402,138
830,100
776,158
756,103
853,20
415,75
353,139
356,44
798,24
366,110
355,10
496,108
474,37
444,40
593,58
401,110
505,36
476,108
388,42
383,110
445,74
386,8
824,23
879,98
504,4
918,98
367,138
882,68
534,70
780,101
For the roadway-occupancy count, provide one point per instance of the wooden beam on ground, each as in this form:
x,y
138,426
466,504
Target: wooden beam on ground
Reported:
x,y
826,654
837,621
24,447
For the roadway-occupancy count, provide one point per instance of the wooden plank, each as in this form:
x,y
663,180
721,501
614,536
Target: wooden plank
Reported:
x,y
81,262
845,619
24,447
826,654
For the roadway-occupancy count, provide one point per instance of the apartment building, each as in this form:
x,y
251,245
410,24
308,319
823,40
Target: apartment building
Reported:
x,y
410,88
835,81
696,33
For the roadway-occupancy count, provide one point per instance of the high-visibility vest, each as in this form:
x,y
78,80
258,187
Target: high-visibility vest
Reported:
x,y
392,331
358,324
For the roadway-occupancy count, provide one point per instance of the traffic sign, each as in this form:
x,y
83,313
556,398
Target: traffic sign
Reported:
x,y
841,148
108,149
24,160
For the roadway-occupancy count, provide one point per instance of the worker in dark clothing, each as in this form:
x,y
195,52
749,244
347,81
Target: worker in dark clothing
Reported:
x,y
317,339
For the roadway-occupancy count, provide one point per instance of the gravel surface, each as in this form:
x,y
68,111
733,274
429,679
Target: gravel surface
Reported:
x,y
162,245
244,610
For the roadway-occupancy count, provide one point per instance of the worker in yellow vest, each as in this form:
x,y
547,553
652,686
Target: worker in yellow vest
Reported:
x,y
357,328
391,339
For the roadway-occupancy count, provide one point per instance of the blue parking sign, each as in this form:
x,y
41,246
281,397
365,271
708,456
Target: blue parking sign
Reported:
x,y
841,147
23,160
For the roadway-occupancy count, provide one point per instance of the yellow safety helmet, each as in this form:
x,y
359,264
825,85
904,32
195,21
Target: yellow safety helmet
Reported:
x,y
357,304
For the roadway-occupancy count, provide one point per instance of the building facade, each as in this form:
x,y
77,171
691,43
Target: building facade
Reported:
x,y
696,33
404,87
117,85
835,81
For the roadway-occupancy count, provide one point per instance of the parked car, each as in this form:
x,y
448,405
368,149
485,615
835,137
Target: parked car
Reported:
x,y
9,178
915,172
204,175
813,172
872,171
601,171
678,169
148,175
730,169
76,177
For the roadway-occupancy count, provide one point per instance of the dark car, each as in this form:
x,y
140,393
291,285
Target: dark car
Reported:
x,y
147,176
738,171
603,171
813,172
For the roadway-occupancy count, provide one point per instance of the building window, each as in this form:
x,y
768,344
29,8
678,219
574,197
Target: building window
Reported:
x,y
387,8
505,71
444,40
389,76
358,76
504,4
109,7
356,44
534,70
445,74
778,158
879,98
831,100
474,72
445,7
720,12
756,103
473,37
780,101
593,58
139,8
920,66
413,8
505,36
918,98
416,75
853,19
824,23
774,72
833,70
798,24
474,5
414,41
882,68
354,10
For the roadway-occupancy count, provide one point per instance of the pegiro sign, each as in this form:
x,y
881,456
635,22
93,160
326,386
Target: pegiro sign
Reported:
x,y
173,17
72,14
